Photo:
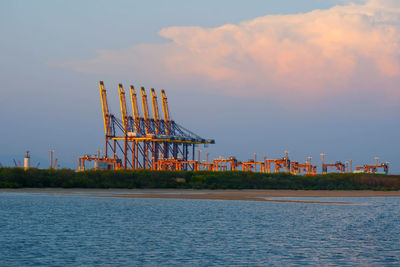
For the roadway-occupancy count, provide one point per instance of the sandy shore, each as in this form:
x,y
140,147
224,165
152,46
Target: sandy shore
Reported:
x,y
247,195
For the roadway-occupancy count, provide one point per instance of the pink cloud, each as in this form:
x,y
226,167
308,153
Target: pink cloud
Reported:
x,y
311,55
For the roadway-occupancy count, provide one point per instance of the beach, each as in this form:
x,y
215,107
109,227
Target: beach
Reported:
x,y
244,195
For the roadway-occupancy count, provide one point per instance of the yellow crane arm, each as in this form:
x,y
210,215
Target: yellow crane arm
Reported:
x,y
104,105
165,111
135,109
145,110
155,109
155,105
123,106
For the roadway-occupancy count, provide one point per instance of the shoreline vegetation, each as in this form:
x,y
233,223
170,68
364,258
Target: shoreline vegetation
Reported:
x,y
149,179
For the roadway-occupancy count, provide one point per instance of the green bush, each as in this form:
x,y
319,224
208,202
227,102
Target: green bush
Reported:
x,y
18,178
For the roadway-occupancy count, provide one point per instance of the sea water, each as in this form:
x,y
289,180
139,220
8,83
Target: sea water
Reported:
x,y
57,230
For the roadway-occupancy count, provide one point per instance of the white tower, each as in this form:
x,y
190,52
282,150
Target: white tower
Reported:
x,y
27,161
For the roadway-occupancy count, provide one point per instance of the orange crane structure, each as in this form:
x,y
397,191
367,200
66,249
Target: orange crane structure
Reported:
x,y
266,165
373,168
339,166
143,142
221,164
307,168
279,165
110,163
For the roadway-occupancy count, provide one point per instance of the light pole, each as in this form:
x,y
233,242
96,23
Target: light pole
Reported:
x,y
322,162
351,165
51,158
286,160
255,161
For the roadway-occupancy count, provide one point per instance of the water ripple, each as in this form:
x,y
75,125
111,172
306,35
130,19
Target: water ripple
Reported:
x,y
54,230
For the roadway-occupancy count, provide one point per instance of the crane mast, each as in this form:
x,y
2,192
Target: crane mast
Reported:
x,y
165,111
145,111
155,110
143,141
104,105
135,110
123,107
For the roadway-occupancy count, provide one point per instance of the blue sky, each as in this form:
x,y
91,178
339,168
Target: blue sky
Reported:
x,y
49,102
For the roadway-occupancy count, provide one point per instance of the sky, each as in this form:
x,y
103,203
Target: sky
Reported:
x,y
306,76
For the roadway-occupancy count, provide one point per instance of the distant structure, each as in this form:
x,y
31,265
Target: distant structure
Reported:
x,y
141,141
27,161
52,164
144,142
380,168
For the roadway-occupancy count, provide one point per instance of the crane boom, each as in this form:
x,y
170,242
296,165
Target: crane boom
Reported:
x,y
165,111
104,105
55,164
135,110
155,110
123,107
165,105
145,111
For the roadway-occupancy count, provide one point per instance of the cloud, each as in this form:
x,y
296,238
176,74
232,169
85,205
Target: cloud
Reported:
x,y
348,49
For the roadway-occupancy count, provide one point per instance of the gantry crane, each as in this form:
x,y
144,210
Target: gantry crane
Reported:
x,y
278,165
135,111
338,165
221,163
106,114
110,121
155,112
124,115
111,163
125,120
158,143
145,139
167,119
145,107
308,169
246,166
373,168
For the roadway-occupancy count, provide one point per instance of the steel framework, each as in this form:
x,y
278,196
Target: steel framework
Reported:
x,y
142,141
339,166
373,168
145,142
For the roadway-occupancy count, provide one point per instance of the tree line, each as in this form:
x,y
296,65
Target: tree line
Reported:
x,y
67,178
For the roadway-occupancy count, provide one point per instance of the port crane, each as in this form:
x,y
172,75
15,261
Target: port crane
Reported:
x,y
307,168
137,142
154,103
373,168
136,116
167,120
155,141
230,163
339,166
